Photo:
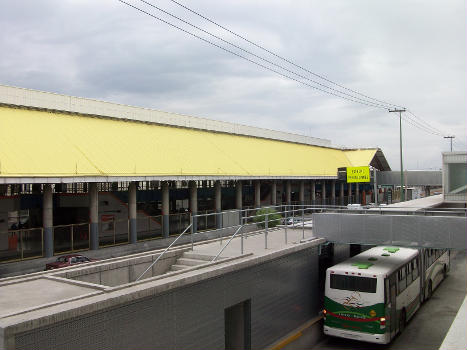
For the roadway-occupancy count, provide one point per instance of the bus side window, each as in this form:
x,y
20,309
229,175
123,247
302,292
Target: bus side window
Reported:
x,y
387,291
409,273
414,264
402,281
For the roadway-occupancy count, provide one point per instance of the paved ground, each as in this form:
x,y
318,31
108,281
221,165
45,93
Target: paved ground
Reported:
x,y
31,293
427,328
255,243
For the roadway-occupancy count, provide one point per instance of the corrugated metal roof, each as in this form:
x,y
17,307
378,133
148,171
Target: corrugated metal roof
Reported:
x,y
360,157
50,144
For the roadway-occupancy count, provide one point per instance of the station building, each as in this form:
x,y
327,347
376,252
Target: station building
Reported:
x,y
79,174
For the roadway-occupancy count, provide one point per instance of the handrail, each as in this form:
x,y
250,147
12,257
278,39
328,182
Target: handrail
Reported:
x,y
166,249
233,236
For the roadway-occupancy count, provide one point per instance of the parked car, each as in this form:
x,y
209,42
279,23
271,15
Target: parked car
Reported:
x,y
68,260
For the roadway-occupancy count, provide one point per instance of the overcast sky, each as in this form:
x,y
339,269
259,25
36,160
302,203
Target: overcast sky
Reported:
x,y
410,53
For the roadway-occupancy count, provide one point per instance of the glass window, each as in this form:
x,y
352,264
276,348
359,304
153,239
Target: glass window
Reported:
x,y
353,283
415,269
402,280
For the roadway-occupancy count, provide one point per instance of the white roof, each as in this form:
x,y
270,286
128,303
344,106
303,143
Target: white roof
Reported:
x,y
382,266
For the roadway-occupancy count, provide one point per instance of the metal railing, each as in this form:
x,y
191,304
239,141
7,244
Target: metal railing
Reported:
x,y
71,238
166,249
21,244
114,232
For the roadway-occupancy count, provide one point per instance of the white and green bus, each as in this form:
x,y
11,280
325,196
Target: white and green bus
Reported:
x,y
372,295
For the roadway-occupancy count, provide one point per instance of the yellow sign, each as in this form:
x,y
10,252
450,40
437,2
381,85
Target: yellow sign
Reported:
x,y
372,313
358,174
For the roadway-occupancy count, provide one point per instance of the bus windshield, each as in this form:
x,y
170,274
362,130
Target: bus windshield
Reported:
x,y
353,283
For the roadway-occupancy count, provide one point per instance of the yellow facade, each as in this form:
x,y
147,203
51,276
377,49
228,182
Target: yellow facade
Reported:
x,y
48,144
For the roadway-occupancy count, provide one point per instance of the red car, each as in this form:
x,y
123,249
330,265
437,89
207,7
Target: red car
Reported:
x,y
68,260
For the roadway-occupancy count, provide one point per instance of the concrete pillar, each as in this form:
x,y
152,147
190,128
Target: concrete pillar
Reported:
x,y
239,195
132,212
333,192
357,193
218,203
301,193
288,192
323,192
313,192
341,193
47,220
257,193
93,216
274,193
194,203
165,208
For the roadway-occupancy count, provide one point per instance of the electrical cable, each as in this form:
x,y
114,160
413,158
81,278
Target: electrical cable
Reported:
x,y
370,104
257,56
278,56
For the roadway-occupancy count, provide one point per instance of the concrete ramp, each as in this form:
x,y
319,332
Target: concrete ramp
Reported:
x,y
406,230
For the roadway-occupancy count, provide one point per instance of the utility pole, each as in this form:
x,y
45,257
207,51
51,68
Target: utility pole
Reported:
x,y
400,138
450,137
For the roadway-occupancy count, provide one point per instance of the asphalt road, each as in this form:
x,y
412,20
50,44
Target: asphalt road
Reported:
x,y
426,330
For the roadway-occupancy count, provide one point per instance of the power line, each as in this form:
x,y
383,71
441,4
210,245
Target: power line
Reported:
x,y
278,56
259,57
367,103
419,123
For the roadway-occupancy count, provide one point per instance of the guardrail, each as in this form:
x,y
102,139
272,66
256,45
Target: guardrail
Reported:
x,y
22,244
28,243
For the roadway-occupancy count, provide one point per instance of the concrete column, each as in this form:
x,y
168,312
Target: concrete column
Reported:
x,y
357,193
313,192
274,193
132,211
301,193
288,192
333,192
341,193
165,208
93,215
47,220
257,193
239,194
194,203
218,203
323,192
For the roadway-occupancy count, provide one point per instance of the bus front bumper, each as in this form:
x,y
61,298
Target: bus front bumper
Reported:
x,y
367,337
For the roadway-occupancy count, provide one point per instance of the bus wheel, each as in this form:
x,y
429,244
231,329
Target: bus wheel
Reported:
x,y
430,289
402,321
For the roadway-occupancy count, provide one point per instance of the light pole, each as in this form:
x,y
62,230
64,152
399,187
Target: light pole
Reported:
x,y
450,137
400,138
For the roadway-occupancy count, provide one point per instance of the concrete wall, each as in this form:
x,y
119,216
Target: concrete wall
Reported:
x,y
121,272
282,292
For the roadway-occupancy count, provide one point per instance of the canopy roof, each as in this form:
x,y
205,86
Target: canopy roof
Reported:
x,y
50,144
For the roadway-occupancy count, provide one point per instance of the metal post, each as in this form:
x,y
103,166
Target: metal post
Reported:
x,y
241,238
266,232
21,243
400,140
285,227
191,231
375,186
303,224
293,216
72,238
